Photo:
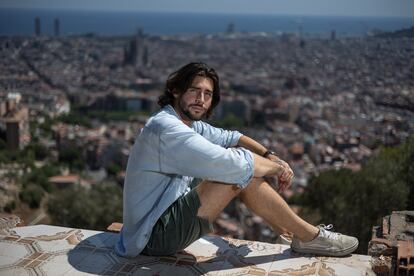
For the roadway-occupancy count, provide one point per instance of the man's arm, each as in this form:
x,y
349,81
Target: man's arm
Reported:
x,y
182,151
262,166
250,144
284,173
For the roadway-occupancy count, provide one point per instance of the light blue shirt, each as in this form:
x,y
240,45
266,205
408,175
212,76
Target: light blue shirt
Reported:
x,y
166,156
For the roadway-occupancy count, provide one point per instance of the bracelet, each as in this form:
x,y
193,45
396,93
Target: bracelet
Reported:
x,y
268,152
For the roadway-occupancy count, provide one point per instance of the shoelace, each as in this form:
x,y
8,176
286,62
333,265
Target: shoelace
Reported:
x,y
324,232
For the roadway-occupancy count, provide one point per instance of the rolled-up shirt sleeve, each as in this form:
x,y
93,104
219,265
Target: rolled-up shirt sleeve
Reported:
x,y
184,151
218,136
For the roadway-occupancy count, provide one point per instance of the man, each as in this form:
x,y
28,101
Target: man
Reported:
x,y
162,215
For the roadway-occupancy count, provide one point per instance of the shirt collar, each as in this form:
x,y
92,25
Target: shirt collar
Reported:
x,y
170,110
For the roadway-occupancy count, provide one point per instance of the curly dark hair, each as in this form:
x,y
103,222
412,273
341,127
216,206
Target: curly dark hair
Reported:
x,y
181,80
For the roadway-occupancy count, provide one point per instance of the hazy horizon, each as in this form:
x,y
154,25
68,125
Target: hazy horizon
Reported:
x,y
208,13
351,8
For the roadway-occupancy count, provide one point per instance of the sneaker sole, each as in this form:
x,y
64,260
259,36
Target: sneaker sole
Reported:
x,y
339,253
282,240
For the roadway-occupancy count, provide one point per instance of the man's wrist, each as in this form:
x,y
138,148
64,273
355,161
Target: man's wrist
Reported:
x,y
268,152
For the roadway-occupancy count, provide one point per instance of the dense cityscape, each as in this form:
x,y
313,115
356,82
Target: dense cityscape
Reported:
x,y
320,103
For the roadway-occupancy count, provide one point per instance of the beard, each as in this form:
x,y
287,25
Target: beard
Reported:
x,y
192,116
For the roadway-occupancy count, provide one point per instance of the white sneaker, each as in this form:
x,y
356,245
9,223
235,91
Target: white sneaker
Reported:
x,y
282,239
327,243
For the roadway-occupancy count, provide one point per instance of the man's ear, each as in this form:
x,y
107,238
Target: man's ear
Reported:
x,y
175,93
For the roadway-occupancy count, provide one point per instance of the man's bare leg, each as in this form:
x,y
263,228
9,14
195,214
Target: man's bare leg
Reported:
x,y
214,197
261,199
264,201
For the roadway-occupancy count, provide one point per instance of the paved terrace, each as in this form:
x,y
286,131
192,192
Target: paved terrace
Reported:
x,y
53,250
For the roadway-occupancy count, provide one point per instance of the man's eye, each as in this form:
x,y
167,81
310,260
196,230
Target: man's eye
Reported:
x,y
208,95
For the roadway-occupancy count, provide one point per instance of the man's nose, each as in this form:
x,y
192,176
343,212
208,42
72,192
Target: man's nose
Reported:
x,y
200,96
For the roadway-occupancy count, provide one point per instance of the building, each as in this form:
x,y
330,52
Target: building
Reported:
x,y
57,27
136,52
67,181
123,101
14,122
237,107
37,26
130,52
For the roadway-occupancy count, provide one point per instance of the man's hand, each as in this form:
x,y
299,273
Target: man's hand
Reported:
x,y
285,178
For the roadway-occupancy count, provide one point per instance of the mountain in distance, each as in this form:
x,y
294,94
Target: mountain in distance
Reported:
x,y
408,32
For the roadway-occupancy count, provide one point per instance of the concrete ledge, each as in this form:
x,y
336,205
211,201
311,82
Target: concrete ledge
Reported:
x,y
53,250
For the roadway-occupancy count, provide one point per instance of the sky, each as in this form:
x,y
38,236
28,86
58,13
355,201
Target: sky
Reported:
x,y
375,8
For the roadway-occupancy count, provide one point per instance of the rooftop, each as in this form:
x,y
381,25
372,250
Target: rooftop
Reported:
x,y
53,250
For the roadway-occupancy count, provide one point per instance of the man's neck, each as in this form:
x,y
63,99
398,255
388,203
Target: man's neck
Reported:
x,y
182,116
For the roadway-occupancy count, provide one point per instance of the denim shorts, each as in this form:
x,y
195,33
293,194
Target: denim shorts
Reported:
x,y
178,227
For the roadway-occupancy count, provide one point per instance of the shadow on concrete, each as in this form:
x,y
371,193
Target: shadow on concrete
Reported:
x,y
96,255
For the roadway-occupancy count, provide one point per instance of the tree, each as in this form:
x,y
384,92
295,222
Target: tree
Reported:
x,y
3,144
32,195
354,202
113,169
408,169
73,158
40,177
230,121
75,118
10,206
40,152
93,208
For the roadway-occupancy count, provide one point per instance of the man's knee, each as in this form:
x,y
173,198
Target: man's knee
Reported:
x,y
254,183
209,191
252,187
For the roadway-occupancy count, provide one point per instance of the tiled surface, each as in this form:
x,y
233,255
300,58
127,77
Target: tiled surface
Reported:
x,y
52,250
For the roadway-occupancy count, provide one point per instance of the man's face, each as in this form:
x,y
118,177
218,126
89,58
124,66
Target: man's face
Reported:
x,y
194,103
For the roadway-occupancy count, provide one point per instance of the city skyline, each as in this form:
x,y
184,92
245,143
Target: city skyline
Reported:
x,y
370,8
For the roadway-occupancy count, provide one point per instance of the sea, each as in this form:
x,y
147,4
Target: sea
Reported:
x,y
120,23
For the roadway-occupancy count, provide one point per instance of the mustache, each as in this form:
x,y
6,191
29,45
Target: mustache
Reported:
x,y
196,105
